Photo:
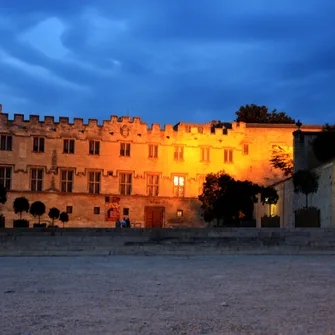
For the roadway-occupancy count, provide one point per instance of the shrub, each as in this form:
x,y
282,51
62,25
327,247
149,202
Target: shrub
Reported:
x,y
53,214
64,217
305,182
21,205
37,208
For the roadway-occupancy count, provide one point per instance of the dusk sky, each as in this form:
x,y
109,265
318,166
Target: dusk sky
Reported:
x,y
167,60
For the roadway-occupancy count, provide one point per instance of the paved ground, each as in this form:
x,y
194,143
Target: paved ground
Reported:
x,y
168,295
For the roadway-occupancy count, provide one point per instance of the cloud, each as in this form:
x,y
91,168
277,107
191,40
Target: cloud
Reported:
x,y
38,72
172,60
46,37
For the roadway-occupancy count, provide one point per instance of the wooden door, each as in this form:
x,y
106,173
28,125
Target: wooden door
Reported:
x,y
154,217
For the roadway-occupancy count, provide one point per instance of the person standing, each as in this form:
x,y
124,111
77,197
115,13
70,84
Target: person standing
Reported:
x,y
127,223
124,223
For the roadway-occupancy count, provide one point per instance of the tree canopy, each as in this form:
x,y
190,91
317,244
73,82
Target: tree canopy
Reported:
x,y
269,195
20,205
37,208
305,182
53,214
260,114
64,217
227,199
323,144
282,158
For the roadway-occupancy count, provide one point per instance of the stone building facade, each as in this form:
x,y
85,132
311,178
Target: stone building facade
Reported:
x,y
289,202
124,168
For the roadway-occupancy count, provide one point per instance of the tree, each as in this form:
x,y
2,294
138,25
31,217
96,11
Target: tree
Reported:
x,y
225,198
323,144
3,194
260,114
269,196
305,182
282,158
64,217
53,214
21,205
37,208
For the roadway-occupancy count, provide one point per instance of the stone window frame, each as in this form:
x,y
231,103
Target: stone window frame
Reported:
x,y
69,209
125,182
6,142
67,147
66,183
96,210
152,185
6,175
94,184
94,147
125,149
228,155
38,144
205,154
36,176
152,150
245,149
179,188
178,153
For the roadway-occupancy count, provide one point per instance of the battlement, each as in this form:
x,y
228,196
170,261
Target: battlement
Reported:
x,y
133,125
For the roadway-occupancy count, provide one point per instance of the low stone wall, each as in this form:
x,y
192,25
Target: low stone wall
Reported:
x,y
104,242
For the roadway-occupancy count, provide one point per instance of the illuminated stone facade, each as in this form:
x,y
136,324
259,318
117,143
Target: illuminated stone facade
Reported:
x,y
153,175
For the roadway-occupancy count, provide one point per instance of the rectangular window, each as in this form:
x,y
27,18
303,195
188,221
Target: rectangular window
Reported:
x,y
125,149
152,185
153,151
94,179
38,144
204,154
69,209
228,156
200,130
126,211
178,153
245,149
5,177
36,180
125,183
96,210
6,142
68,147
94,147
178,186
188,129
180,212
66,182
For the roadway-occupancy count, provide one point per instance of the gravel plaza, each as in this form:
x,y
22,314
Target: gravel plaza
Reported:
x,y
167,295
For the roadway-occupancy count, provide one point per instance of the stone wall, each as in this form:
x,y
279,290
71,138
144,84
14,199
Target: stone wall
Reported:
x,y
289,201
250,144
89,242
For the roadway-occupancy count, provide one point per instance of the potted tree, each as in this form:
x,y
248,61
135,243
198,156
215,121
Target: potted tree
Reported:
x,y
37,208
64,217
53,214
306,182
20,205
3,200
269,196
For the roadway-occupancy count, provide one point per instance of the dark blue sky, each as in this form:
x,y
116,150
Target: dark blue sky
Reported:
x,y
167,60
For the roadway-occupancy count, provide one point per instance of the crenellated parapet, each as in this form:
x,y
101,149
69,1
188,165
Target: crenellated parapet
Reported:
x,y
115,129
